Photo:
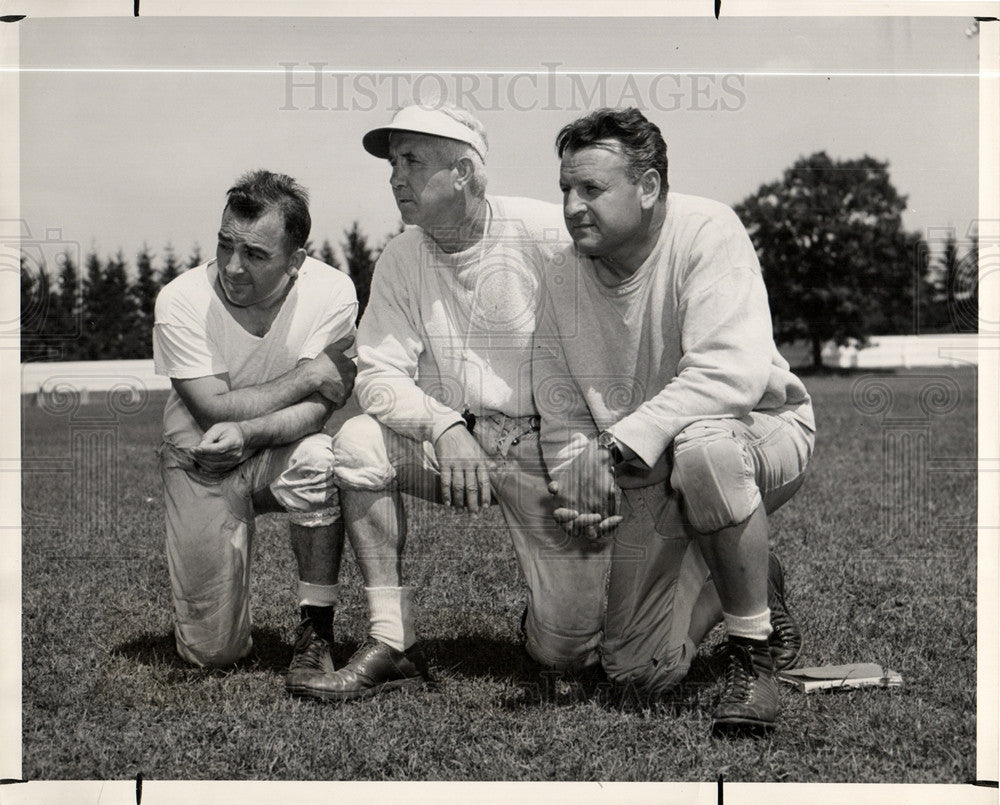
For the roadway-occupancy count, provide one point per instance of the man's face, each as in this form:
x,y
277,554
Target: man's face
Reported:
x,y
253,260
422,181
601,206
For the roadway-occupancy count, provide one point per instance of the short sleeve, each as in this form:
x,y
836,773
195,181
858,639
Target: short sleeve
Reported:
x,y
181,345
334,314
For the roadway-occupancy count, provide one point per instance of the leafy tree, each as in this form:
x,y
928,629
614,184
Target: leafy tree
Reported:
x,y
360,259
837,262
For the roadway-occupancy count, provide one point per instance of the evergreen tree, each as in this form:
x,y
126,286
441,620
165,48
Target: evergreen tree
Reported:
x,y
836,260
329,256
35,318
143,293
109,312
91,335
360,264
171,268
195,259
66,308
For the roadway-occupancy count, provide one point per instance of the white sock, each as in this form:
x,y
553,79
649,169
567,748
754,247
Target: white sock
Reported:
x,y
752,627
318,595
392,615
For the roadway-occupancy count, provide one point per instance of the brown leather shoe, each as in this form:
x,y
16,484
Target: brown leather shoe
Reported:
x,y
310,659
750,695
374,668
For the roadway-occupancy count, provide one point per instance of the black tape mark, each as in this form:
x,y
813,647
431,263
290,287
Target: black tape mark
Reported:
x,y
11,781
718,8
12,17
135,8
720,785
138,777
984,783
987,19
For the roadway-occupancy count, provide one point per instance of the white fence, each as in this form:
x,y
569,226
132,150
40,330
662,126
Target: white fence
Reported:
x,y
898,351
885,352
80,378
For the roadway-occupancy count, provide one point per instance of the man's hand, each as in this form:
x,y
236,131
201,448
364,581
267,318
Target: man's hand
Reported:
x,y
221,448
335,372
584,490
592,526
465,469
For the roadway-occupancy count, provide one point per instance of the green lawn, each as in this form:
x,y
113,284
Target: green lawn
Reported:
x,y
880,547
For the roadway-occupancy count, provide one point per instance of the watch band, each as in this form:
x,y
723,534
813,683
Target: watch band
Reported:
x,y
606,440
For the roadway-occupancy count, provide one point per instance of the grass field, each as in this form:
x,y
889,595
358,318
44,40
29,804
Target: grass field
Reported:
x,y
880,547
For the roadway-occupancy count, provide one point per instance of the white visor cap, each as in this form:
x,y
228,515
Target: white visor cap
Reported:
x,y
422,120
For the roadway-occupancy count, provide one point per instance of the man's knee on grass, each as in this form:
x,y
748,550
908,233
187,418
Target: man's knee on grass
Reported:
x,y
560,651
650,675
714,475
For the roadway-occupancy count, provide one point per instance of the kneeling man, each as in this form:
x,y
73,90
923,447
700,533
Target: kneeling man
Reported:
x,y
657,379
253,343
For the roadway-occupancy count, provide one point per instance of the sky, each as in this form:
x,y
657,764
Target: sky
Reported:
x,y
133,129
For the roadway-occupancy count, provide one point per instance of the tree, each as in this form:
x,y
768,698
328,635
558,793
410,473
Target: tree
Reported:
x,y
143,293
837,263
109,312
171,268
35,319
962,289
360,264
329,256
66,307
195,259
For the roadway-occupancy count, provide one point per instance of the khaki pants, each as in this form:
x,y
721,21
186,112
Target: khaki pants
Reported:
x,y
210,525
565,576
720,471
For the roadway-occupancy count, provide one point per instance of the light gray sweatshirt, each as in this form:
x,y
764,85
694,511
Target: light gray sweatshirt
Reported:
x,y
686,337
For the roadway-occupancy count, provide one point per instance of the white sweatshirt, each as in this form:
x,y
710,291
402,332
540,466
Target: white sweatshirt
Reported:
x,y
443,332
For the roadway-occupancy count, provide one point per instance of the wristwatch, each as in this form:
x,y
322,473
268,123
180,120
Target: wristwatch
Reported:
x,y
606,439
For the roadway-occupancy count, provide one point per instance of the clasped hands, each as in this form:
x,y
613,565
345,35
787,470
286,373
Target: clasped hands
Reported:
x,y
585,494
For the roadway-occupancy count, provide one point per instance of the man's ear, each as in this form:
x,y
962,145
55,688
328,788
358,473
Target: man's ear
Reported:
x,y
649,189
295,262
464,171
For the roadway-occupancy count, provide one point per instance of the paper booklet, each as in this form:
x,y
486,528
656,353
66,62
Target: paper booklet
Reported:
x,y
853,675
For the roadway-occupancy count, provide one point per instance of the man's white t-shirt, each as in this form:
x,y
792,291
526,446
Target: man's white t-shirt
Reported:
x,y
195,336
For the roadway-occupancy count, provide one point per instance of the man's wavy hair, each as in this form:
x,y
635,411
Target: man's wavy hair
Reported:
x,y
641,142
258,191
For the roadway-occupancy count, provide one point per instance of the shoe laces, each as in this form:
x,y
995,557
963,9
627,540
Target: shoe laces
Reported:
x,y
309,649
781,623
740,673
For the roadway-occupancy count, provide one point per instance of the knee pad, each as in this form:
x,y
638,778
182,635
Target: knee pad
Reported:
x,y
714,475
361,460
